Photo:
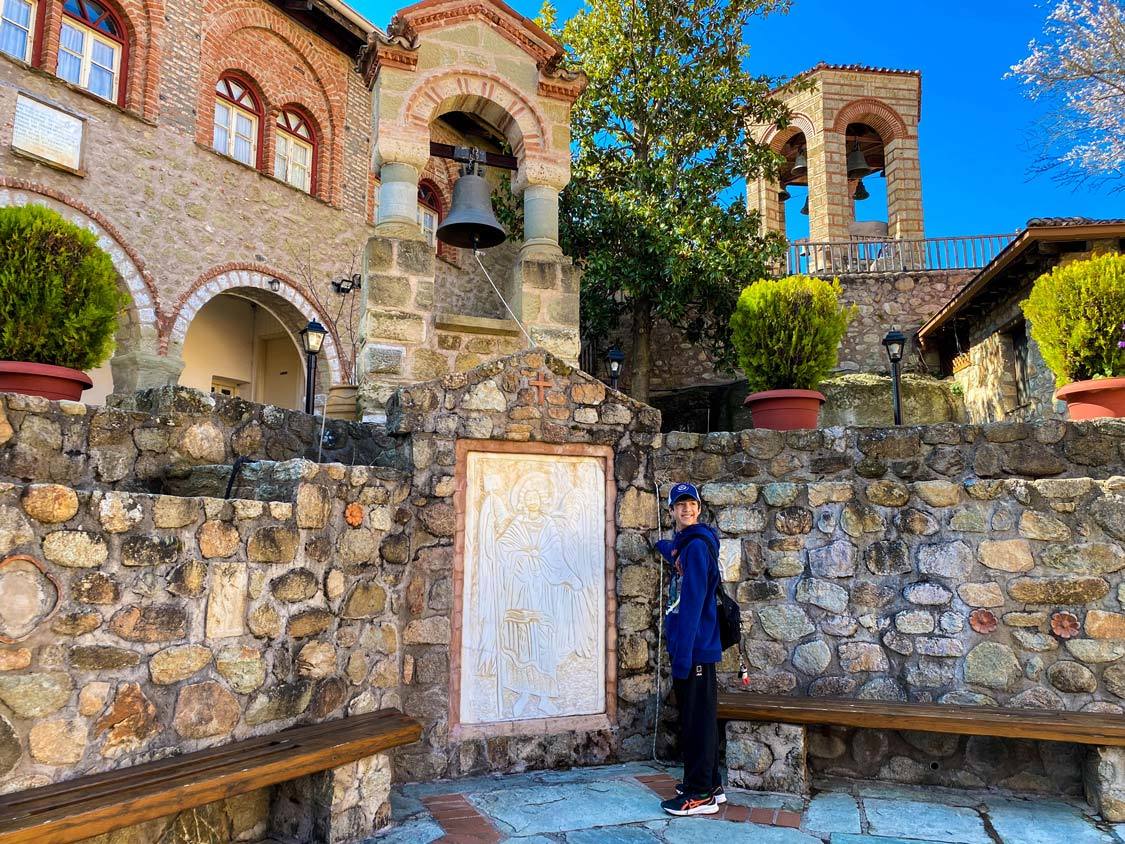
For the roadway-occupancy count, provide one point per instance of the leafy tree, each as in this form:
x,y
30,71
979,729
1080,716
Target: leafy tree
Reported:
x,y
1078,69
660,137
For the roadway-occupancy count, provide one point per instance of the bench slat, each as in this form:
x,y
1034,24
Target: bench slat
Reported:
x,y
66,815
124,778
1078,727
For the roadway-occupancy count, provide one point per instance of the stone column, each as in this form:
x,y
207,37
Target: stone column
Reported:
x,y
540,180
399,162
1104,776
829,204
767,757
904,189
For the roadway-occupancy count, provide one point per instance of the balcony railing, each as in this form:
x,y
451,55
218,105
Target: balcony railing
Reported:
x,y
865,255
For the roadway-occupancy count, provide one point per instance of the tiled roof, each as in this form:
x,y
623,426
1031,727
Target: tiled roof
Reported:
x,y
1054,222
861,68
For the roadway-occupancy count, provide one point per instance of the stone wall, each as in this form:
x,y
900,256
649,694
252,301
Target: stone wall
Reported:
x,y
153,625
147,436
925,582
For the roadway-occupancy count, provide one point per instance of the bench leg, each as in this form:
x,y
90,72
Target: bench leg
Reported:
x,y
1104,775
767,757
345,804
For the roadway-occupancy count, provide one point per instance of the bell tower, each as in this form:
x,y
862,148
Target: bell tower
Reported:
x,y
850,126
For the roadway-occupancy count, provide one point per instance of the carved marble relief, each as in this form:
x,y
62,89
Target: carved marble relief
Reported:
x,y
533,635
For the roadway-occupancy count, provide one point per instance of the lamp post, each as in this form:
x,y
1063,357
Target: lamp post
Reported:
x,y
895,343
312,338
614,358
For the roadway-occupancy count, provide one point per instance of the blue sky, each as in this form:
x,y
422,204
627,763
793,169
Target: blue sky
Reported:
x,y
975,135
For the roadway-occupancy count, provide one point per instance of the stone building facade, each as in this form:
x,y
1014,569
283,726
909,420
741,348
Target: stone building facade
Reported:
x,y
236,157
980,336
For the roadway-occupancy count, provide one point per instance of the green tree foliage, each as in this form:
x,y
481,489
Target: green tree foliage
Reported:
x,y
59,297
1077,313
787,332
659,139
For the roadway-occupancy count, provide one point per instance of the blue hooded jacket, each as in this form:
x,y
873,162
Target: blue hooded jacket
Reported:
x,y
691,622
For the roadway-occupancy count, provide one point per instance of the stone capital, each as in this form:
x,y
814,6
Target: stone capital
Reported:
x,y
547,172
392,148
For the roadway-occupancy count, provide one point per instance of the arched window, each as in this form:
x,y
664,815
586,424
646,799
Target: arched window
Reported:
x,y
237,121
429,210
295,154
17,28
92,49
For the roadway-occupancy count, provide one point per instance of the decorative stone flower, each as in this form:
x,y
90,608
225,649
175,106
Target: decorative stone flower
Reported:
x,y
983,621
353,514
1065,625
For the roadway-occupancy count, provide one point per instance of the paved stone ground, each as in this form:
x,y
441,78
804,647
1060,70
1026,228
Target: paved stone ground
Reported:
x,y
620,804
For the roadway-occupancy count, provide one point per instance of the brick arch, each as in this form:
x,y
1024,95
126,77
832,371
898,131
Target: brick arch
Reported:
x,y
144,309
482,93
776,137
876,114
143,21
253,279
320,89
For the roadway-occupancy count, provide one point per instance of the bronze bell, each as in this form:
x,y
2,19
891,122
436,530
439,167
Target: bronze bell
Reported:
x,y
800,165
860,192
783,195
805,207
857,164
471,223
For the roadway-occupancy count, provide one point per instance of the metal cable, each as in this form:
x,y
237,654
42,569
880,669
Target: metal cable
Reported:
x,y
476,254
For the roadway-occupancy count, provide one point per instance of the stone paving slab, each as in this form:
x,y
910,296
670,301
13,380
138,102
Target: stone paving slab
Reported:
x,y
915,819
560,808
609,806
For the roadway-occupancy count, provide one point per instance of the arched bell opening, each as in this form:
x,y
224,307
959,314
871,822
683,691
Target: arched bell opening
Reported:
x,y
793,180
460,285
867,182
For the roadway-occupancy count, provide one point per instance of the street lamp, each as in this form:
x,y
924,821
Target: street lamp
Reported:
x,y
614,358
895,343
312,338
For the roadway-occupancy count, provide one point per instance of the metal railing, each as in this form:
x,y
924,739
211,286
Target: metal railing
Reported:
x,y
869,255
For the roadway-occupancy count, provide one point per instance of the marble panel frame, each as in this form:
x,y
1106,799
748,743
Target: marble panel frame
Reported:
x,y
536,726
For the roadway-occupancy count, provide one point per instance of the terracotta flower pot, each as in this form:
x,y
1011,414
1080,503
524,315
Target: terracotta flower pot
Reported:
x,y
785,410
43,379
341,402
1094,399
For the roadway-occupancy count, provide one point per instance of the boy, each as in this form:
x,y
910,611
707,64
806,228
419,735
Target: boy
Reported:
x,y
692,628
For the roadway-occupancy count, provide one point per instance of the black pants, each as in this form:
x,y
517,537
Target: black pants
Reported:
x,y
698,700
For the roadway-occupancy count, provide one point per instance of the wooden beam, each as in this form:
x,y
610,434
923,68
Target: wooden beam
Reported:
x,y
1077,727
491,159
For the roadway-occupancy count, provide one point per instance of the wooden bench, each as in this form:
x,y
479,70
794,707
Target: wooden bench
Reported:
x,y
1079,727
91,805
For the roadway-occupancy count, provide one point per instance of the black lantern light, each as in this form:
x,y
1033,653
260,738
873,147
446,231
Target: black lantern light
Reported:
x,y
614,359
312,338
895,344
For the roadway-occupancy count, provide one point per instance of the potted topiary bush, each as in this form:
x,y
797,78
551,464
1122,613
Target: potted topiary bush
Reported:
x,y
59,302
1077,318
787,334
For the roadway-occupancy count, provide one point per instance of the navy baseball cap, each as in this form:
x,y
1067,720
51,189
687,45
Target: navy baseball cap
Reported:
x,y
683,491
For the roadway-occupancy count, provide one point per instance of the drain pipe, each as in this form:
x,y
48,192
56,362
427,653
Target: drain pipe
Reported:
x,y
238,464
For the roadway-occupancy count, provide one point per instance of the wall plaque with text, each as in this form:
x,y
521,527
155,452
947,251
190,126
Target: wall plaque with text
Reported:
x,y
48,133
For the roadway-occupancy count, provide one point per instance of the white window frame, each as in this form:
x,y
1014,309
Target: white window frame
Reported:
x,y
89,36
234,110
283,159
29,45
429,227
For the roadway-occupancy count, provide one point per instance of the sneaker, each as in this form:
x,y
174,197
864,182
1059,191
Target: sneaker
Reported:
x,y
717,792
684,805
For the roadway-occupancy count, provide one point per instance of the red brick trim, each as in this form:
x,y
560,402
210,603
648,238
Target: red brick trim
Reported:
x,y
798,124
524,33
167,321
526,127
97,217
460,819
665,787
876,114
